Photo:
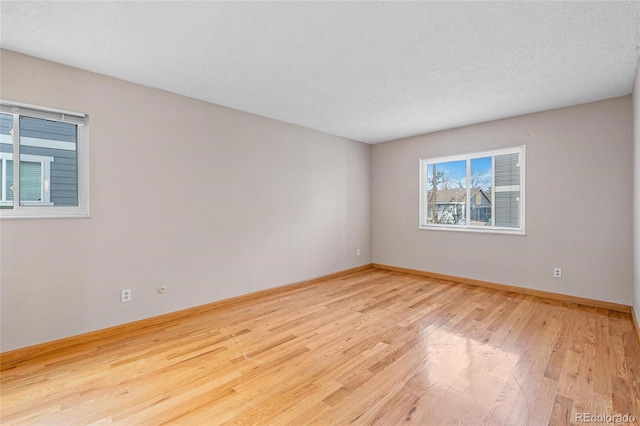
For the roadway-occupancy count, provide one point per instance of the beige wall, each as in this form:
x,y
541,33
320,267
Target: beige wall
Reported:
x,y
636,193
209,201
214,203
578,195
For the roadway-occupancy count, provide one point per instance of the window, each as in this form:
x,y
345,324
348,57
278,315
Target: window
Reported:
x,y
483,191
51,178
35,178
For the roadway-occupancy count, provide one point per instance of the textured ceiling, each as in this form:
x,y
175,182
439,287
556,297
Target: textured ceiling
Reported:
x,y
369,71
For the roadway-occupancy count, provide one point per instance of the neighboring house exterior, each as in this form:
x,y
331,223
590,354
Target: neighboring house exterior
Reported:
x,y
451,206
480,206
48,163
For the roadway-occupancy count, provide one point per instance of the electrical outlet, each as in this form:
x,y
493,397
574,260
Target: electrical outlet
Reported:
x,y
125,295
162,289
557,272
358,252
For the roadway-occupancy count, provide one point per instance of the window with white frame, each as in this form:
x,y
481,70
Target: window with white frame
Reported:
x,y
51,178
35,179
482,191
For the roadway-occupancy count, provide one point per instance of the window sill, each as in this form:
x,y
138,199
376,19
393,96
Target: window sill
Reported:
x,y
46,216
25,204
503,231
44,212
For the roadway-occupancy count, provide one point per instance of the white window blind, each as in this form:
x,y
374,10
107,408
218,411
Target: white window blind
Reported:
x,y
30,181
45,114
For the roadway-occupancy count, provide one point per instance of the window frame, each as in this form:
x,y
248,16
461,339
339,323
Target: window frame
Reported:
x,y
45,172
423,213
39,210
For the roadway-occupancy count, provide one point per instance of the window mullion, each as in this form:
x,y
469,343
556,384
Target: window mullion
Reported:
x,y
42,182
15,138
493,191
468,203
3,190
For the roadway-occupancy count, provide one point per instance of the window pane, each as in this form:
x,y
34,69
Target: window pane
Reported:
x,y
447,193
30,181
57,142
6,148
6,121
481,177
507,191
9,184
481,191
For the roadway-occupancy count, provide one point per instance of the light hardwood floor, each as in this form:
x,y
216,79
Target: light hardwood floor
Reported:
x,y
373,347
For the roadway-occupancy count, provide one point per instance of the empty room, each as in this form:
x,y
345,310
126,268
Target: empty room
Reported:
x,y
327,213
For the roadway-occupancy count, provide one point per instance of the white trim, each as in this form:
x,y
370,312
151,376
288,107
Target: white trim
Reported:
x,y
3,178
53,114
46,210
15,134
39,143
467,227
27,157
423,215
493,187
473,155
26,203
45,178
522,164
467,207
480,229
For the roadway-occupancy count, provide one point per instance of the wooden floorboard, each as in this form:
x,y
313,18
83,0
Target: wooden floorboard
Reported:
x,y
376,347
